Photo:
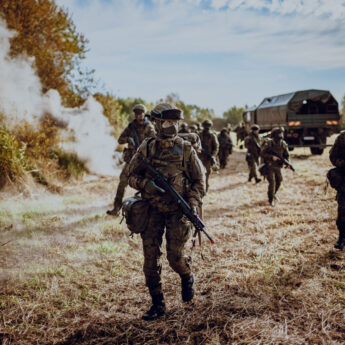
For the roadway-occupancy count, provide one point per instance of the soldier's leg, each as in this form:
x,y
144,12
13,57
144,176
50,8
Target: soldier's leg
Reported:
x,y
123,182
278,178
152,241
255,171
341,223
271,185
177,234
207,165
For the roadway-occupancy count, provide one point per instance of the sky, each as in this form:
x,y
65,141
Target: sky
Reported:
x,y
213,53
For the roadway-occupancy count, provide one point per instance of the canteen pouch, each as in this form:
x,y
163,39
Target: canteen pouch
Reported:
x,y
136,212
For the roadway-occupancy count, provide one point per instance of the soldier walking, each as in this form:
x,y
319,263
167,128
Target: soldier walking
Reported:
x,y
270,149
133,135
209,151
184,128
178,162
252,143
241,133
337,180
225,147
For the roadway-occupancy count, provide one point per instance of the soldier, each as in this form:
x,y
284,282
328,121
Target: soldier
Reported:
x,y
209,151
252,143
270,147
176,159
184,128
225,147
337,157
133,135
193,129
241,133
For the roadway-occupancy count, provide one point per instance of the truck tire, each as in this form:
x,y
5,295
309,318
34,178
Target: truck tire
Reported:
x,y
316,151
291,148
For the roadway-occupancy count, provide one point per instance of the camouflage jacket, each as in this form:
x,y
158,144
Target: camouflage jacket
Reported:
x,y
178,162
225,141
137,132
252,143
337,152
269,146
209,144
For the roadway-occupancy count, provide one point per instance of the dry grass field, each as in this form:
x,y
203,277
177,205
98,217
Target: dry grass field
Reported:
x,y
69,274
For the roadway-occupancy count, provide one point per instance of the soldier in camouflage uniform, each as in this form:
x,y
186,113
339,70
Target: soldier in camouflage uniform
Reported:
x,y
337,157
252,143
184,128
133,135
176,159
225,147
193,129
210,146
241,133
273,163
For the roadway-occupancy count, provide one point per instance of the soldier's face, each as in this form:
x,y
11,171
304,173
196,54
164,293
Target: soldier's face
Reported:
x,y
140,116
168,128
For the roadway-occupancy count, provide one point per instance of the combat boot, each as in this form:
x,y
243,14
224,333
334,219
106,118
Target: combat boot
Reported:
x,y
257,180
187,288
340,243
157,308
271,202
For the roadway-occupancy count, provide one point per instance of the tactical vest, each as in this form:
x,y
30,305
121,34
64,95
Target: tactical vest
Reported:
x,y
171,159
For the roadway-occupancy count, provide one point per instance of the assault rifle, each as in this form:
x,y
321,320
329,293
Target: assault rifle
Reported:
x,y
284,161
225,143
161,181
135,135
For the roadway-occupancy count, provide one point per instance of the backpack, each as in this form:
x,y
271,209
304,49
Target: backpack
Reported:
x,y
336,178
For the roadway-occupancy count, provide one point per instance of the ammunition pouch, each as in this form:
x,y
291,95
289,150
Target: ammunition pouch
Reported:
x,y
336,178
136,211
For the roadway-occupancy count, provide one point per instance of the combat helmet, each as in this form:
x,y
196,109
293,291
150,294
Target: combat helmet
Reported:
x,y
277,133
207,123
166,118
166,111
255,127
139,108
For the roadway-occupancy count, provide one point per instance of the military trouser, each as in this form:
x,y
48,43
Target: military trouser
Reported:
x,y
223,155
252,165
123,183
341,215
274,178
178,230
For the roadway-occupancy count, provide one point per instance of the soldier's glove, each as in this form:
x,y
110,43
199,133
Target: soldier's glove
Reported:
x,y
152,188
131,141
194,209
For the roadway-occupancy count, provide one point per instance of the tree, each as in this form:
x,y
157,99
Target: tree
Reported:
x,y
47,33
234,115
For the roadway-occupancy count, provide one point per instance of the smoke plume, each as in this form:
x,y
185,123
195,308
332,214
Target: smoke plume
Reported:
x,y
21,99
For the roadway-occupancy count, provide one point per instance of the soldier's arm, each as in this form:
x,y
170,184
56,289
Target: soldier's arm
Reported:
x,y
215,146
136,176
123,139
149,131
197,178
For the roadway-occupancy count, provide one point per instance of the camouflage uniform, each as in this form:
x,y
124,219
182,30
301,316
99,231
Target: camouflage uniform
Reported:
x,y
274,175
176,159
337,157
184,128
128,136
225,147
241,132
252,143
210,146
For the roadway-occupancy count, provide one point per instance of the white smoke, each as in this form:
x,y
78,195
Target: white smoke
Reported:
x,y
21,99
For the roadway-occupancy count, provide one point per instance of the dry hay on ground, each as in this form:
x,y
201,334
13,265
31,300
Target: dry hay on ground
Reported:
x,y
271,278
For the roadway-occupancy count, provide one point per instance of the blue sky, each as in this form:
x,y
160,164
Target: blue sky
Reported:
x,y
214,53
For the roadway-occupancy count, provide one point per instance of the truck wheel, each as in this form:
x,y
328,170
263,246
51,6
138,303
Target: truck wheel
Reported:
x,y
291,148
316,151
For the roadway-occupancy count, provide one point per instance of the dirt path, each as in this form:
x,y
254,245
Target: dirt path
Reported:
x,y
71,275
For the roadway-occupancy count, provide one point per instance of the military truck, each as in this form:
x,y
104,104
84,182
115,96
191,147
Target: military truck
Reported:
x,y
308,117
